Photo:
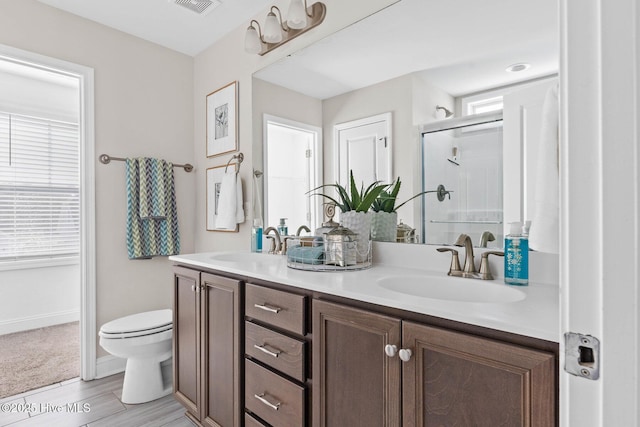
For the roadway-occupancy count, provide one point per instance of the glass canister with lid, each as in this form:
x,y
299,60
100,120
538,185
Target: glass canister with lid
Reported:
x,y
340,247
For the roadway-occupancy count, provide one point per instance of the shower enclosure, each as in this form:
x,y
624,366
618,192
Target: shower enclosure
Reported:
x,y
465,156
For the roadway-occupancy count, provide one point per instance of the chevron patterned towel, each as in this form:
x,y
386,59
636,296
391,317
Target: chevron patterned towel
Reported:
x,y
152,214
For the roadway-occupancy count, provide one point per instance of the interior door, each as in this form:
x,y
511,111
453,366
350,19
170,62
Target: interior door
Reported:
x,y
364,147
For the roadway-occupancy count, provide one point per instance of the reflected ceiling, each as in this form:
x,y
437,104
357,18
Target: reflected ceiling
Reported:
x,y
461,46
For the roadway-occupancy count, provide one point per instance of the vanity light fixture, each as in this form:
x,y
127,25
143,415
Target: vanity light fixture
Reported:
x,y
277,32
442,113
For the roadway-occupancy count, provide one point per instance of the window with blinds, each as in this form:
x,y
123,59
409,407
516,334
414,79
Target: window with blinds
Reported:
x,y
39,188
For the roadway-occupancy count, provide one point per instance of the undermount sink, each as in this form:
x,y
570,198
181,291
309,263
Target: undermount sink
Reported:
x,y
240,257
452,289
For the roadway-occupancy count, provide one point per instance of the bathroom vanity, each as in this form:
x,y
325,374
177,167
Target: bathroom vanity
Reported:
x,y
259,344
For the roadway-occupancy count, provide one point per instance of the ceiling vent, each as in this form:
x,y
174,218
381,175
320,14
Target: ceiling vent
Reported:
x,y
201,7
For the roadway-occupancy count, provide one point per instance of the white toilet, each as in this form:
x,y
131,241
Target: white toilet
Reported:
x,y
144,339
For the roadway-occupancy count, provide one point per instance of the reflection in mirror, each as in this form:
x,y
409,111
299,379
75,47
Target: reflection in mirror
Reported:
x,y
431,53
466,158
292,167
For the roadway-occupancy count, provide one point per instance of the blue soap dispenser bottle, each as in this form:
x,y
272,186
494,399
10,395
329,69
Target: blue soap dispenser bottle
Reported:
x,y
516,256
283,230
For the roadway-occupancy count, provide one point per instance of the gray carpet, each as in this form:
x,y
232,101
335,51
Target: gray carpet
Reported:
x,y
39,357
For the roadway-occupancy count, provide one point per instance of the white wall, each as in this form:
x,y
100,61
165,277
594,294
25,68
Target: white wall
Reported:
x,y
39,297
143,107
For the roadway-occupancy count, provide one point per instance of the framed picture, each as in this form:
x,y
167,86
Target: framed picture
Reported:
x,y
222,120
214,181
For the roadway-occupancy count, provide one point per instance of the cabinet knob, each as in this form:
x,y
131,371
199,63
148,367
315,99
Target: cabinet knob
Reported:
x,y
390,350
405,354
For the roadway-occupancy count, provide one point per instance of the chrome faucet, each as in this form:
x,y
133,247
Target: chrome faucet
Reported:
x,y
302,227
487,236
469,265
276,244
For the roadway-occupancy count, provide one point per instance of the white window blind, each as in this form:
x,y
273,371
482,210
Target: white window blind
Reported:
x,y
39,188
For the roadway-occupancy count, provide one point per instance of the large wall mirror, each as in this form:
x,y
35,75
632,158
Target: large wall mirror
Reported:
x,y
409,59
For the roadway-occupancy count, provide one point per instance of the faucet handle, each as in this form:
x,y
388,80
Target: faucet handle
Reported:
x,y
285,244
274,249
454,268
485,272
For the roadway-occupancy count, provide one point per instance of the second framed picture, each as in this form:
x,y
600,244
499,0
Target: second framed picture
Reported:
x,y
222,120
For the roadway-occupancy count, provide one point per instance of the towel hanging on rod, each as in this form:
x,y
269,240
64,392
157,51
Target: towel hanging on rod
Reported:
x,y
106,159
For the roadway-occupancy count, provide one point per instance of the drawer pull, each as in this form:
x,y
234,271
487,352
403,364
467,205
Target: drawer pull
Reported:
x,y
265,307
261,398
264,349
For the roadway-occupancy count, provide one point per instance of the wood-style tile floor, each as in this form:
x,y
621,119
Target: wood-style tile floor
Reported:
x,y
96,403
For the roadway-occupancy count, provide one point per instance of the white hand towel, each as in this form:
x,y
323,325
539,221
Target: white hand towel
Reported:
x,y
239,201
230,209
543,235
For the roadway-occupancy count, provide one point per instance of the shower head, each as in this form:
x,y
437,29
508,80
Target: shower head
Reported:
x,y
443,112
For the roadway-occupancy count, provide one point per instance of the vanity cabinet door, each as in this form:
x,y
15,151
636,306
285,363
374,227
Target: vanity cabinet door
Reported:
x,y
463,380
186,339
354,382
221,355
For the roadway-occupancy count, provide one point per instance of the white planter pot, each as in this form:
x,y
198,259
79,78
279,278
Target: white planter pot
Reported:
x,y
384,226
359,223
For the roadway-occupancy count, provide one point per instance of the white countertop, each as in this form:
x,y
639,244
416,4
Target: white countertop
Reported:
x,y
537,315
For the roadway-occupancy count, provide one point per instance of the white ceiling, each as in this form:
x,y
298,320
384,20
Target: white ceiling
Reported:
x,y
165,23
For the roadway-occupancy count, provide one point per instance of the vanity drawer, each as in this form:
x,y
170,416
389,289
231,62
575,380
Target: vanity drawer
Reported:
x,y
249,421
279,351
281,309
272,398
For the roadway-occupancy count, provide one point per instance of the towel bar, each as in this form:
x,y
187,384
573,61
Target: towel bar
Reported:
x,y
106,159
239,159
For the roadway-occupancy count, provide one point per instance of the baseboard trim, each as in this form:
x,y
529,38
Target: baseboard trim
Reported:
x,y
111,365
41,321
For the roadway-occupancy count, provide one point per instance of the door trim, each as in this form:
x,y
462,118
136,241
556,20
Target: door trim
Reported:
x,y
87,197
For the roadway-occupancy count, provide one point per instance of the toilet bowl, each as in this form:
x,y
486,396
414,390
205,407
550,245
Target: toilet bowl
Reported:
x,y
144,339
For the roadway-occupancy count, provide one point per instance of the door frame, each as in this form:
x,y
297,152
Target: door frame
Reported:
x,y
600,197
386,118
85,77
317,156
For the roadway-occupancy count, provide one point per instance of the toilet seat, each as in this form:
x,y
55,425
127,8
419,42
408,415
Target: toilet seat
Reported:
x,y
138,325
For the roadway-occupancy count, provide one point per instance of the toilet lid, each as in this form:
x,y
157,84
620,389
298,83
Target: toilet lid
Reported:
x,y
147,321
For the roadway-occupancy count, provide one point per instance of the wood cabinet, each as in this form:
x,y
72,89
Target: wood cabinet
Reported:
x,y
264,354
354,382
207,337
449,378
276,358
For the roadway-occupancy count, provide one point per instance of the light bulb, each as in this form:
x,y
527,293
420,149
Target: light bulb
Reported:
x,y
272,29
297,15
252,43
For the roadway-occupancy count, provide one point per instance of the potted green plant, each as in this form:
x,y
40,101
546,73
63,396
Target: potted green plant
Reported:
x,y
385,217
354,205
